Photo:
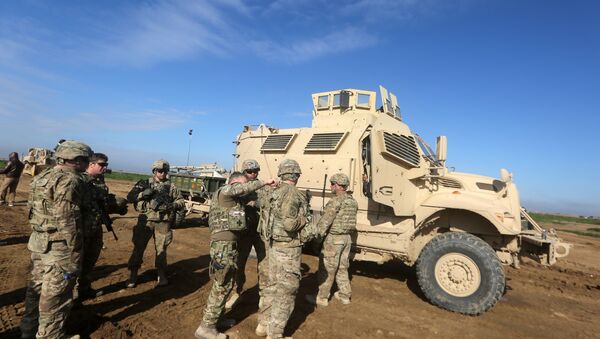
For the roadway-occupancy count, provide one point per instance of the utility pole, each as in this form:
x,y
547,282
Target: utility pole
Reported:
x,y
189,147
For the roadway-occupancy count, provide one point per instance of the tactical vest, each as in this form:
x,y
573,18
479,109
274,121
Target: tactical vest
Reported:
x,y
162,196
272,226
42,216
226,214
345,220
91,210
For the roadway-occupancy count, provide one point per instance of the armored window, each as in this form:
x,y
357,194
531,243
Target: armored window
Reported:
x,y
324,142
277,142
402,147
323,102
363,100
336,100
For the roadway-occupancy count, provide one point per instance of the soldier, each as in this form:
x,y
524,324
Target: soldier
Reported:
x,y
12,173
250,237
55,217
156,199
336,225
98,204
282,219
226,220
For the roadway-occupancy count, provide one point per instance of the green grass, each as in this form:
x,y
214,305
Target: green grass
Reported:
x,y
561,219
126,176
591,232
2,163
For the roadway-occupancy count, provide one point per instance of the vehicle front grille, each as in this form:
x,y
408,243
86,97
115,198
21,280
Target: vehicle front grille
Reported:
x,y
450,183
402,147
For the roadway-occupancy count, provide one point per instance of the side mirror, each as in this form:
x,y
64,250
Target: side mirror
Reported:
x,y
345,99
441,148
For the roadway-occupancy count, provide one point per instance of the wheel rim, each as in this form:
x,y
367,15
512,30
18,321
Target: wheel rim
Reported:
x,y
457,274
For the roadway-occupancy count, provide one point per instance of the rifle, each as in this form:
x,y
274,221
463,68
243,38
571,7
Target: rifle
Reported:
x,y
107,221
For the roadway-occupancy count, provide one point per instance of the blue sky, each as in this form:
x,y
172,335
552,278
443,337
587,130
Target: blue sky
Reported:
x,y
512,84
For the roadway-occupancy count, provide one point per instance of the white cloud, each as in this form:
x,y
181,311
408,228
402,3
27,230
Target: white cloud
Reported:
x,y
170,30
305,50
147,120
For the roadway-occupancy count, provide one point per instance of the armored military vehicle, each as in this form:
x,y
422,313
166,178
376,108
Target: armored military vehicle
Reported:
x,y
457,229
37,160
196,185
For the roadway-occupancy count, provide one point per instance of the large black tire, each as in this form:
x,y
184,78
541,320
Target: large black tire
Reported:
x,y
460,273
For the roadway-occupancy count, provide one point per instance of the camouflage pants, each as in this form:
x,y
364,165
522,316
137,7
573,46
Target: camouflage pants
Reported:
x,y
92,246
223,257
282,286
333,265
49,294
245,245
9,185
142,232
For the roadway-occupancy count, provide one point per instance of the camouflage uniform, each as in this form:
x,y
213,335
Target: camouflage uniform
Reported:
x,y
282,218
154,219
55,217
226,220
250,238
97,202
336,224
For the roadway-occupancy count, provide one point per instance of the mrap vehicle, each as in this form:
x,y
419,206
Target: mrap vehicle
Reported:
x,y
457,229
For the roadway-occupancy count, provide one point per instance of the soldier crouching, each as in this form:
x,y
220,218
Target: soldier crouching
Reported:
x,y
55,243
226,220
155,198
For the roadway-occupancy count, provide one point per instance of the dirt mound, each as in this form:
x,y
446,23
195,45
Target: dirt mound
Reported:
x,y
556,302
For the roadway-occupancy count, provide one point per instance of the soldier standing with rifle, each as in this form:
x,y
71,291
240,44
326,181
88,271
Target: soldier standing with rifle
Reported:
x,y
226,220
98,204
336,226
55,217
156,199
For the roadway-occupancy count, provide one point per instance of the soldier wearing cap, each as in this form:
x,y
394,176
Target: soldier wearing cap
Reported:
x,y
156,199
250,237
98,204
226,221
336,226
55,205
283,215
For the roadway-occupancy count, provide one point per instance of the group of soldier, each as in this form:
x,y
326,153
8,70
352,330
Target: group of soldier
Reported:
x,y
275,218
69,203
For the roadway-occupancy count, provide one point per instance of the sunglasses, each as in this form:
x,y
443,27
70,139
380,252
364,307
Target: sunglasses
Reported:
x,y
102,164
161,171
252,171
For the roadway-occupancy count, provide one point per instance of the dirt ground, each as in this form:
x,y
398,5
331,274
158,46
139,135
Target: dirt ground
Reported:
x,y
557,302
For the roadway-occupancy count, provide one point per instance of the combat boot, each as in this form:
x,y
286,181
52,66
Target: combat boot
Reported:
x,y
262,329
315,300
162,278
132,278
232,301
343,300
203,332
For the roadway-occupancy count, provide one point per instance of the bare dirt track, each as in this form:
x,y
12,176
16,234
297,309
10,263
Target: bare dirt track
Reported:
x,y
557,302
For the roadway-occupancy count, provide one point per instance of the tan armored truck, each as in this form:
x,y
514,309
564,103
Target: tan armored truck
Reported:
x,y
458,229
37,160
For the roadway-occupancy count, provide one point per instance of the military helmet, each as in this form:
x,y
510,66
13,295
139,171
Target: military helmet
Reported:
x,y
250,164
161,164
289,166
71,149
340,179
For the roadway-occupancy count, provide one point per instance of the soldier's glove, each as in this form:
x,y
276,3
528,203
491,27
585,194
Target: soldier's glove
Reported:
x,y
123,210
146,194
